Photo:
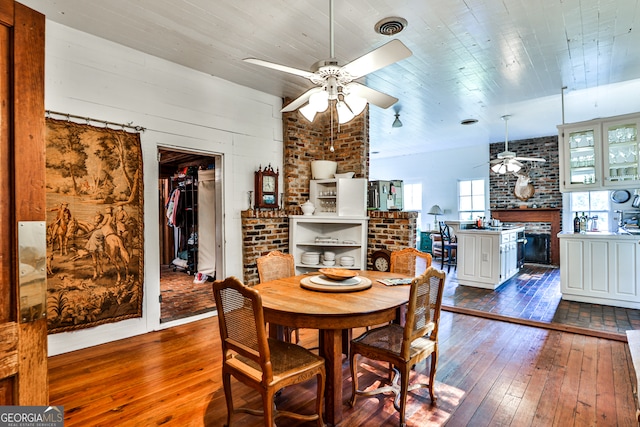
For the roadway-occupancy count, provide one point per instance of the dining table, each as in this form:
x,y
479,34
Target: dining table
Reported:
x,y
287,302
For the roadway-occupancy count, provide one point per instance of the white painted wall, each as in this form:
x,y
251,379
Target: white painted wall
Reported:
x,y
439,173
180,108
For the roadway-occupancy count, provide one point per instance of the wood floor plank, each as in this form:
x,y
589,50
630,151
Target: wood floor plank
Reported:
x,y
605,402
527,412
624,385
566,409
519,376
551,392
490,373
586,402
480,381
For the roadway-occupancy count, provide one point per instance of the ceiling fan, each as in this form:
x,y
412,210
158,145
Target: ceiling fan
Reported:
x,y
336,83
507,161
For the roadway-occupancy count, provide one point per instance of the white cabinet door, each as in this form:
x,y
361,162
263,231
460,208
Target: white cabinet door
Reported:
x,y
602,153
339,197
479,258
504,256
580,156
572,272
600,271
624,279
620,152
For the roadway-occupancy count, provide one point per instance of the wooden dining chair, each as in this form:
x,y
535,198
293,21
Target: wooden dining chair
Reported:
x,y
264,364
277,265
404,347
410,261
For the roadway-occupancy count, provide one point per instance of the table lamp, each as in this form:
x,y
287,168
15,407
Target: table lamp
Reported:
x,y
435,211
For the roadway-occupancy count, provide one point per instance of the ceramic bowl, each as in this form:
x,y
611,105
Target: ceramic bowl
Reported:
x,y
344,175
329,256
338,273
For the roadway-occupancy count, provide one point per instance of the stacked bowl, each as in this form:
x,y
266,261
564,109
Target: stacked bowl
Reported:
x,y
329,258
311,258
347,261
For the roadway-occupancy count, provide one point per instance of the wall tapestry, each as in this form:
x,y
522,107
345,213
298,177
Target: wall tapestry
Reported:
x,y
94,225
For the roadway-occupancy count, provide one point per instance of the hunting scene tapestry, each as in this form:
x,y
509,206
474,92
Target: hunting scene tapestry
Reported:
x,y
94,225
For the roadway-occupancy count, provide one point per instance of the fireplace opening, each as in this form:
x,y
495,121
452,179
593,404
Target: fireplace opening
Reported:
x,y
537,250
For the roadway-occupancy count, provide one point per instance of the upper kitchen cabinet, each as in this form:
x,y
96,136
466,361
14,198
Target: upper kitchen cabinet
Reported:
x,y
601,153
339,197
621,152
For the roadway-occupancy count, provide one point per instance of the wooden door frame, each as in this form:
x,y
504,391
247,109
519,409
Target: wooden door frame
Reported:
x,y
23,346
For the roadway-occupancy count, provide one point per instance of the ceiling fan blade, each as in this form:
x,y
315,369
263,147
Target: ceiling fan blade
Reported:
x,y
301,100
530,159
373,96
387,54
496,161
302,73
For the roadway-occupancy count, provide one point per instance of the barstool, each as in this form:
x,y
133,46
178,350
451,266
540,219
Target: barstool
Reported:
x,y
449,247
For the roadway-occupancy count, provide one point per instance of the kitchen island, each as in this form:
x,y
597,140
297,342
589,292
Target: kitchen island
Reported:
x,y
600,268
487,257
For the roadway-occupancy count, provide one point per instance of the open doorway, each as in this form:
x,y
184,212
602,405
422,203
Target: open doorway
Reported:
x,y
190,199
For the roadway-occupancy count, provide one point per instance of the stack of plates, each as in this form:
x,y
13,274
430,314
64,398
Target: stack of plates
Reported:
x,y
347,261
326,239
311,258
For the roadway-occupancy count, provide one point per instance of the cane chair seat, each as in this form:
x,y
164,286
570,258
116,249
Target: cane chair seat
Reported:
x,y
404,346
264,364
410,261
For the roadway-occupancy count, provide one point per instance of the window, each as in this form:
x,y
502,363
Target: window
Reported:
x,y
413,200
594,204
470,199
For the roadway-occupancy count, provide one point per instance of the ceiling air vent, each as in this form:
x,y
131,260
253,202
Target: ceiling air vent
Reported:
x,y
391,26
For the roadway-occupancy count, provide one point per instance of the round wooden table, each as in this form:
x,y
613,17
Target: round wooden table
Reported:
x,y
286,303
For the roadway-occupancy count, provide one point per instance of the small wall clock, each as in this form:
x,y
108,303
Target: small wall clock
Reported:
x,y
266,187
381,260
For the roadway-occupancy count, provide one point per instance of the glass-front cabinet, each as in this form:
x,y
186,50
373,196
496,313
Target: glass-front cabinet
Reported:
x,y
621,159
600,153
581,157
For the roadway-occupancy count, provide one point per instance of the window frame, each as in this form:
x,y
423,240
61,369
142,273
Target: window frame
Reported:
x,y
462,214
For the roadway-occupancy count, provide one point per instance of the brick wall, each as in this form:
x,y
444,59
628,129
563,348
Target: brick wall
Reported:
x,y
545,178
305,142
391,231
262,232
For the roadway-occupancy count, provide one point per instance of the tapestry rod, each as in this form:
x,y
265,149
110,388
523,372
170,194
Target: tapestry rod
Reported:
x,y
89,119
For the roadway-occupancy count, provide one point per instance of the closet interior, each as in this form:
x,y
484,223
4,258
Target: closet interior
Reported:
x,y
189,232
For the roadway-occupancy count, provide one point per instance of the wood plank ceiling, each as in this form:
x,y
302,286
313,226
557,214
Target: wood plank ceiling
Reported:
x,y
476,59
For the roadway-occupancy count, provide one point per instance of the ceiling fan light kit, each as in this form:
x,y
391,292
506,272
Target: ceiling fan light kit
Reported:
x,y
335,84
397,123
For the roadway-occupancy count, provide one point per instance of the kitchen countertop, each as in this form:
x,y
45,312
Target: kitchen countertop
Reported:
x,y
597,235
490,229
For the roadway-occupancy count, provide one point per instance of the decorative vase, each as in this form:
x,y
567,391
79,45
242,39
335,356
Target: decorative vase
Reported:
x,y
323,169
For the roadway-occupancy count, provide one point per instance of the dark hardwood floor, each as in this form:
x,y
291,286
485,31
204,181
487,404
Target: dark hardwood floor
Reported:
x,y
490,373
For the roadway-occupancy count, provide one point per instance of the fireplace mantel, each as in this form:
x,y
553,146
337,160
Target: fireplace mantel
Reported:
x,y
550,215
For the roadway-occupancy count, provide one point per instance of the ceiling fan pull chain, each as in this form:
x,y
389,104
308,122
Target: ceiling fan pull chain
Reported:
x,y
331,118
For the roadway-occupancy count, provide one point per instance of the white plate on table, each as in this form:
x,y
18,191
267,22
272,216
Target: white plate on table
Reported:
x,y
323,280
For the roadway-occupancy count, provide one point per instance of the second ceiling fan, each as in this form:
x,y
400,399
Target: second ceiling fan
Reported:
x,y
336,83
508,161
